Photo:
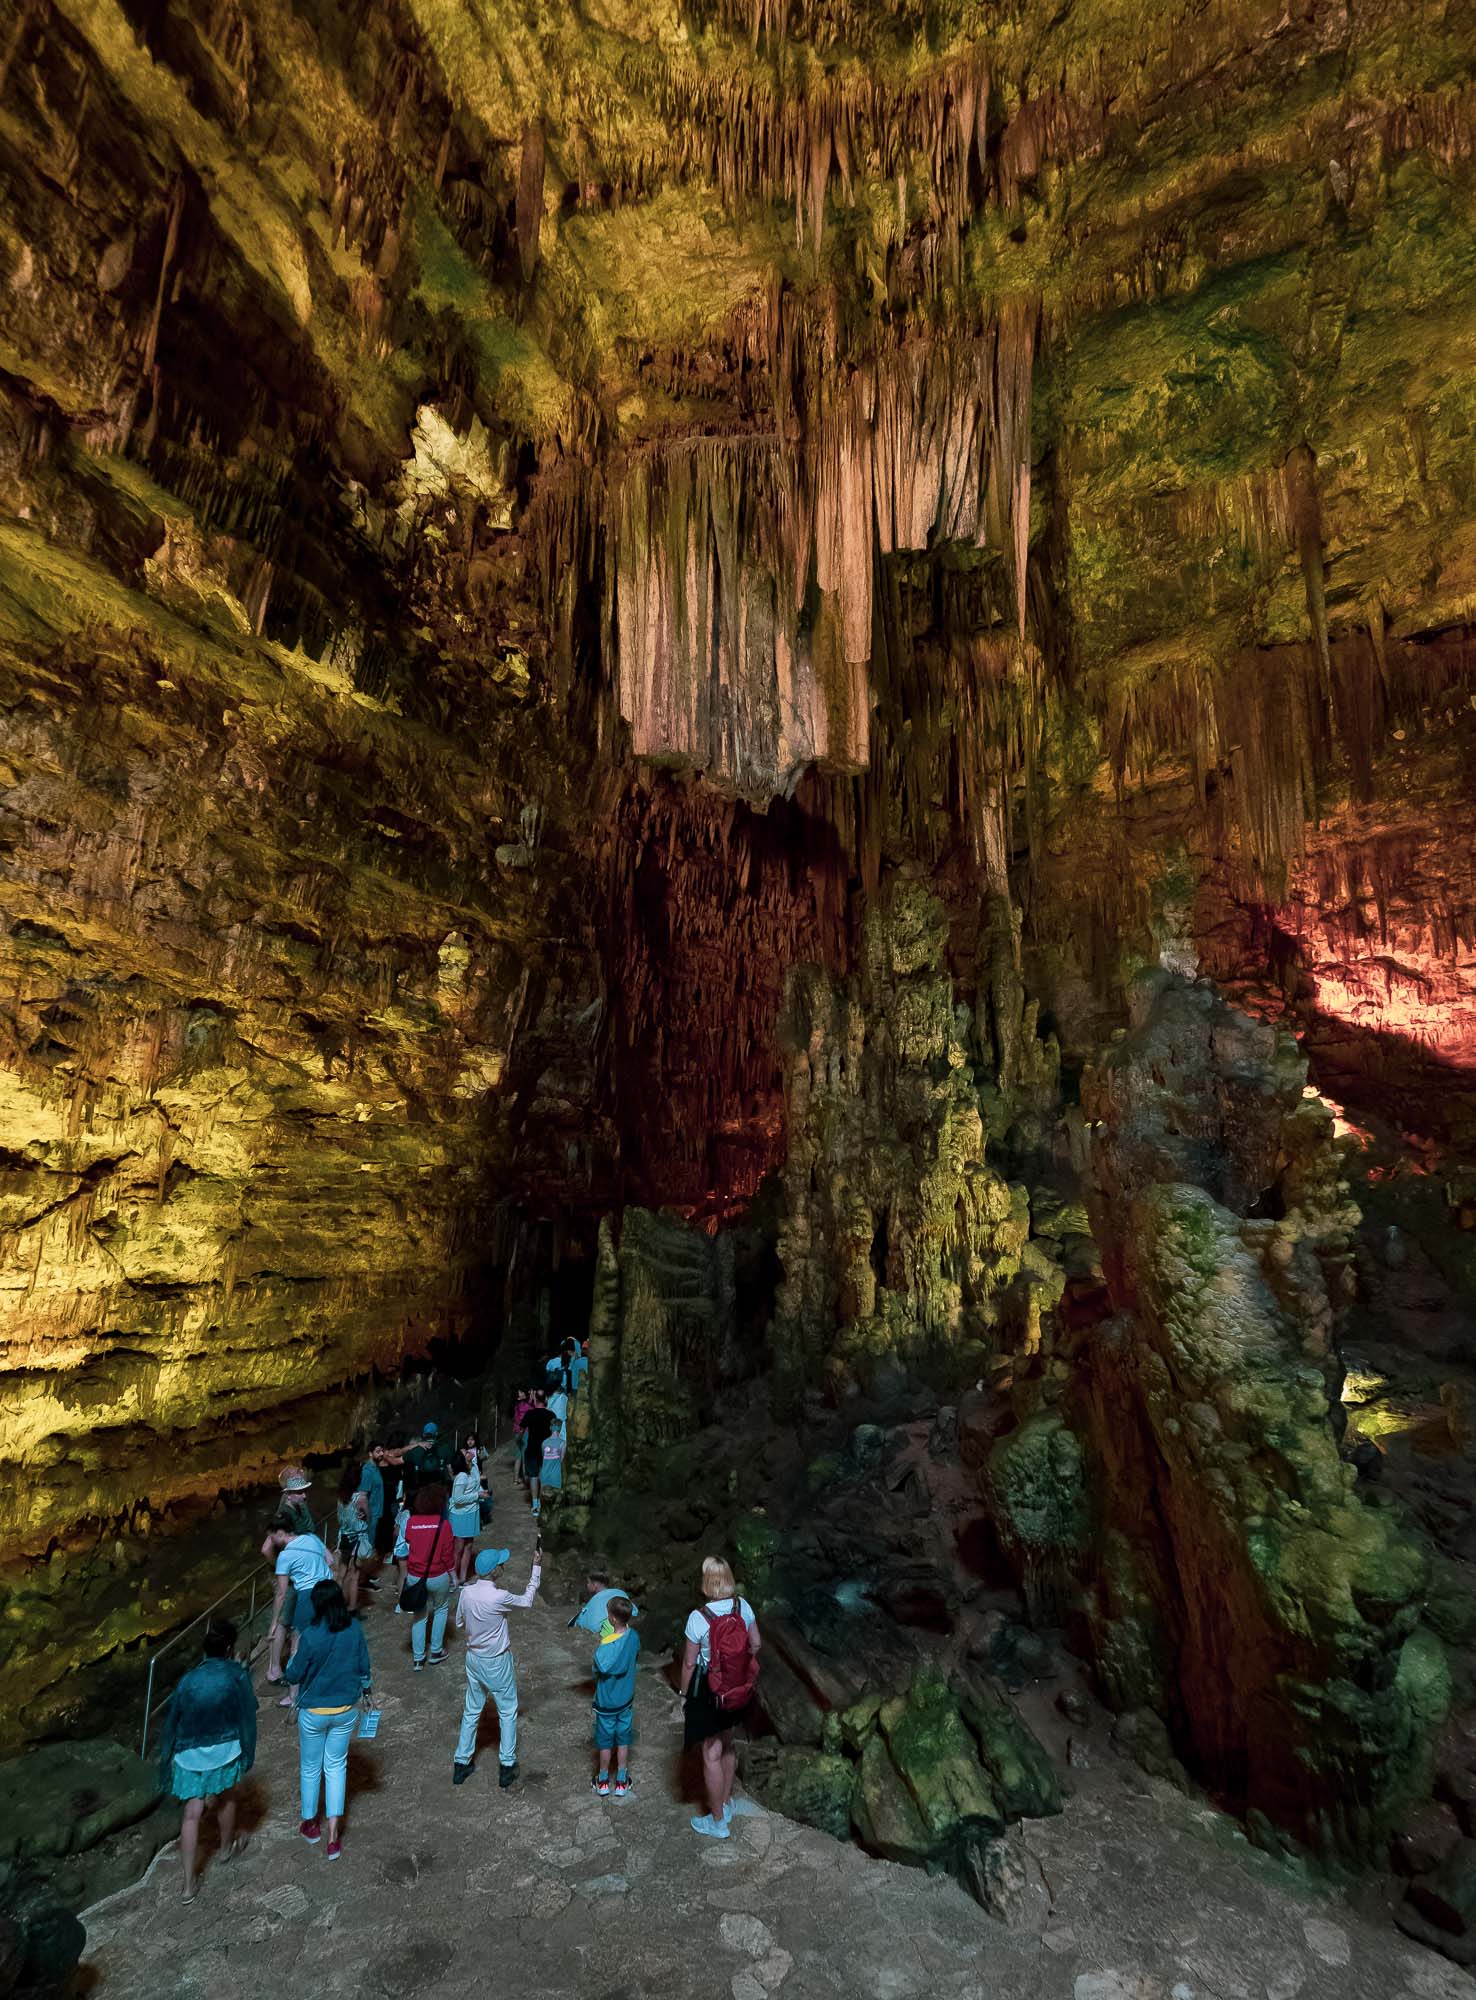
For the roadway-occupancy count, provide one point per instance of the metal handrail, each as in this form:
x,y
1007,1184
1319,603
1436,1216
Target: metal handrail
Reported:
x,y
253,1645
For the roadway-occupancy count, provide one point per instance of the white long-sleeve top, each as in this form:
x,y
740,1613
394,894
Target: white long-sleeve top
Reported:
x,y
482,1608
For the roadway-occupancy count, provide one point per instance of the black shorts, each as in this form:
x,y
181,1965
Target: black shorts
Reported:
x,y
701,1716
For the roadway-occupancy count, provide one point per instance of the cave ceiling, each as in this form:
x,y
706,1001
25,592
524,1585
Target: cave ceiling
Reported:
x,y
513,518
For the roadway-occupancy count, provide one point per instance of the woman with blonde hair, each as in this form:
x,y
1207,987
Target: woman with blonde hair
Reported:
x,y
719,1674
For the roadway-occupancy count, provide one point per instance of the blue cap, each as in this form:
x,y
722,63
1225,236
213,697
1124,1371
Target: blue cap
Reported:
x,y
490,1559
431,1431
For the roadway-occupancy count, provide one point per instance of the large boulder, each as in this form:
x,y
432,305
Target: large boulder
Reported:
x,y
65,1797
1020,1770
923,1794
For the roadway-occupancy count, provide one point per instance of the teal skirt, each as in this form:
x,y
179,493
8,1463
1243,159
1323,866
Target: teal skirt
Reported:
x,y
205,1784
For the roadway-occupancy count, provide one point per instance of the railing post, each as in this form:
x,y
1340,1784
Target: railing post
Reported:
x,y
251,1622
143,1741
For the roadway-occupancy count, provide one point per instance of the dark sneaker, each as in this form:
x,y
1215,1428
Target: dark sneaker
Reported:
x,y
507,1774
311,1832
461,1772
436,1659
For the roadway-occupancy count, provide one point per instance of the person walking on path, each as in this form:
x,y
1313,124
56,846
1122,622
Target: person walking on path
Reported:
x,y
401,1549
294,1486
522,1404
466,1513
614,1697
299,1561
209,1745
295,1510
479,1462
330,1674
430,1555
554,1447
536,1426
371,1484
353,1543
490,1669
719,1673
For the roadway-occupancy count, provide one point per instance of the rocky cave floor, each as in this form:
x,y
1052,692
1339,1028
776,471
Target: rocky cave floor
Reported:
x,y
1143,1892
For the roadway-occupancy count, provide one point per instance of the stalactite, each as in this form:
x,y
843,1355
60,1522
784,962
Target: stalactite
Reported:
x,y
725,661
530,198
1261,730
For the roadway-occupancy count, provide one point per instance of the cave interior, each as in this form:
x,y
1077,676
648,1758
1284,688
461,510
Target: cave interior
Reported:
x,y
789,686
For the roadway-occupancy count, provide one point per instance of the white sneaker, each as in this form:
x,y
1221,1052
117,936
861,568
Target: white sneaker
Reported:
x,y
710,1828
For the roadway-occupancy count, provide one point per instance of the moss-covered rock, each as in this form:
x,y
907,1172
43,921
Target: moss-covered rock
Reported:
x,y
812,1786
1037,1487
1022,1775
1253,1581
905,1253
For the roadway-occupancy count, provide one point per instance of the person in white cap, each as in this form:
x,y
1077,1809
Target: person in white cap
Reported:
x,y
294,1509
490,1669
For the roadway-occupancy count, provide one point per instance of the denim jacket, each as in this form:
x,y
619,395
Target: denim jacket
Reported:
x,y
214,1703
330,1669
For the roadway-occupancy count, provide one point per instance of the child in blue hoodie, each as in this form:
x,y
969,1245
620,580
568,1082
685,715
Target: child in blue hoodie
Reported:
x,y
614,1700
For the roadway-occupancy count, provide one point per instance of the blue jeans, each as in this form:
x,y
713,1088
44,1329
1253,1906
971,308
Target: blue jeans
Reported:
x,y
490,1674
322,1754
437,1603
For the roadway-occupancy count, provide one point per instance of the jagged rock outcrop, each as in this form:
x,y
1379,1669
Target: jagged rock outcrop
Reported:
x,y
662,1331
1230,1575
902,1247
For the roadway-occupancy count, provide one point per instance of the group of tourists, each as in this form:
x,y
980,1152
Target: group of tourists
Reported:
x,y
541,1422
317,1650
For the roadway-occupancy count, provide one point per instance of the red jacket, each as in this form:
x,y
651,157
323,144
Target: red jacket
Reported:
x,y
431,1547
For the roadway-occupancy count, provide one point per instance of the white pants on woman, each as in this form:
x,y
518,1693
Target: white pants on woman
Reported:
x,y
437,1603
322,1755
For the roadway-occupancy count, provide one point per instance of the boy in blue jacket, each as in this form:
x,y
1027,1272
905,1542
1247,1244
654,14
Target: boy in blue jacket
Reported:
x,y
614,1699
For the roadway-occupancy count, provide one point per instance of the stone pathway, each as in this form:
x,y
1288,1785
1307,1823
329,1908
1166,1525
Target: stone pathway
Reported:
x,y
546,1891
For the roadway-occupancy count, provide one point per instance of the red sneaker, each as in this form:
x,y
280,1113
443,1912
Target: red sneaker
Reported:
x,y
335,1850
311,1831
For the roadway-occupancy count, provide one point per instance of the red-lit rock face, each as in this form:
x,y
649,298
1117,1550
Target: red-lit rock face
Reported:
x,y
1372,953
710,904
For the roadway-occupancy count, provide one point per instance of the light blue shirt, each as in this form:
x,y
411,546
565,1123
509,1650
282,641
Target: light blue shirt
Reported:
x,y
592,1617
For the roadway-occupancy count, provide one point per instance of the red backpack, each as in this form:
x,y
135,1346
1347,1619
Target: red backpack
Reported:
x,y
732,1670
